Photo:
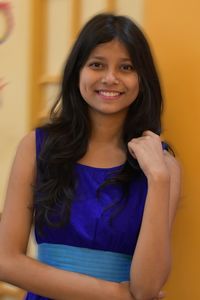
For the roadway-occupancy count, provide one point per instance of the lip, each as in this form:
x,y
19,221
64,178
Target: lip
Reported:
x,y
109,94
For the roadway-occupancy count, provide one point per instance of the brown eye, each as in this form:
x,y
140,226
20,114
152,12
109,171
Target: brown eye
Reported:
x,y
96,65
127,67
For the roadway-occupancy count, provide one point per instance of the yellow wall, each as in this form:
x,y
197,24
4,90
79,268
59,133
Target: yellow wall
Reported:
x,y
173,28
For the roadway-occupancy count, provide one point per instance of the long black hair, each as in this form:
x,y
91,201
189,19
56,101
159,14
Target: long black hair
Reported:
x,y
68,131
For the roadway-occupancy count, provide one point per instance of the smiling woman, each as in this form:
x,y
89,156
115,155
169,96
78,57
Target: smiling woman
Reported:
x,y
95,180
108,81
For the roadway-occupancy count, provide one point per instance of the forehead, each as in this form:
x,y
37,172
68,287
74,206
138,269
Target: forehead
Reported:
x,y
114,48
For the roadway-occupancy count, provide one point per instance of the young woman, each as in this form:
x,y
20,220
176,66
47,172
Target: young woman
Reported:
x,y
96,180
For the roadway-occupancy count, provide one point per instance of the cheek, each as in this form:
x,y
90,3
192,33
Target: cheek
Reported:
x,y
84,82
86,87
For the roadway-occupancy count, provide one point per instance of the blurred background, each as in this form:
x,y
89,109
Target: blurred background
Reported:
x,y
35,38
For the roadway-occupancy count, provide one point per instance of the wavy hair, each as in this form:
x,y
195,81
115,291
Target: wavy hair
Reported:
x,y
68,131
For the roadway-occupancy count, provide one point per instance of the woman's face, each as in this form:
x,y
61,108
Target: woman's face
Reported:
x,y
108,82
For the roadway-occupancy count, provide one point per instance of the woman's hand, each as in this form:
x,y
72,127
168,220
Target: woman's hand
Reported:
x,y
126,286
161,295
148,151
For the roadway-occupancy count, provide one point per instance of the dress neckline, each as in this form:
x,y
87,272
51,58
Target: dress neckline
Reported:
x,y
80,165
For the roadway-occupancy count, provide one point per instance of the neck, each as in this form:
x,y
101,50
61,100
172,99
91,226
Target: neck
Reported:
x,y
105,148
107,129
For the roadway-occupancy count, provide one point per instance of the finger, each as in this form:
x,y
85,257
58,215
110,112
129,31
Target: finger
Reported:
x,y
131,151
161,294
149,133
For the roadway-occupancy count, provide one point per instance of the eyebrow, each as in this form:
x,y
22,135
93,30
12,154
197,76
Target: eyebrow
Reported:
x,y
103,58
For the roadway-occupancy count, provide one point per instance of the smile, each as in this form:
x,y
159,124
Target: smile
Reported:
x,y
109,93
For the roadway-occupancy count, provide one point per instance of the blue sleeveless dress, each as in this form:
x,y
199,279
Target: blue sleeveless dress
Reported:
x,y
90,244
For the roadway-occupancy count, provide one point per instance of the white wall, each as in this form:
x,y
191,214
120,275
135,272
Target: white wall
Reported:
x,y
14,69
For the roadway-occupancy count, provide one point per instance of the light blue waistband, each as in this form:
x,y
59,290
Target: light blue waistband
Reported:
x,y
106,265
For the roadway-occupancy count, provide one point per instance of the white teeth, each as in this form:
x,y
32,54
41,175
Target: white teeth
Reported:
x,y
109,94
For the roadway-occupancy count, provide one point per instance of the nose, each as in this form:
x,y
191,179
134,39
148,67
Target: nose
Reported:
x,y
110,77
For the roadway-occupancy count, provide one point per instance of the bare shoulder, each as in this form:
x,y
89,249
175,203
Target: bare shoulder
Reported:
x,y
17,213
22,175
27,142
24,161
23,167
26,149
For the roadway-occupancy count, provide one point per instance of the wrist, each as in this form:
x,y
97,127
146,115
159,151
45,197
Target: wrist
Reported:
x,y
123,291
114,291
159,176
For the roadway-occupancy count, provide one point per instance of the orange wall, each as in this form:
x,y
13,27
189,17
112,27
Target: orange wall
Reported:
x,y
173,28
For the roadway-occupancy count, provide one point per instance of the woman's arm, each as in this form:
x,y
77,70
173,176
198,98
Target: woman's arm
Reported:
x,y
152,258
25,272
